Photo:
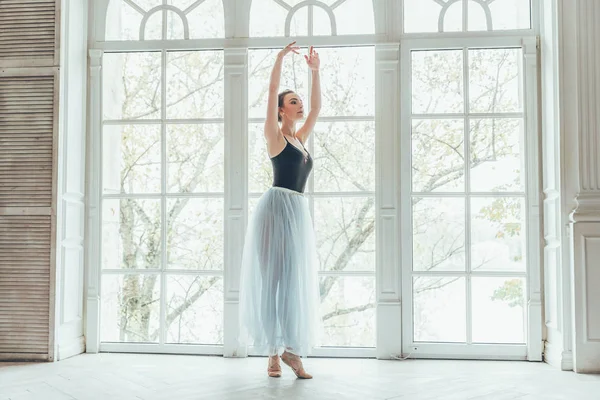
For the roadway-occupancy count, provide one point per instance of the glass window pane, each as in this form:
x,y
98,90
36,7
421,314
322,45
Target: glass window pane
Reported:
x,y
498,234
345,233
511,14
153,26
348,311
453,17
130,307
122,21
194,309
131,161
437,81
321,22
498,310
147,5
439,309
131,85
277,15
195,84
294,76
260,170
495,80
207,20
299,23
175,27
355,17
497,156
131,234
478,19
344,155
438,155
421,16
184,4
438,234
347,80
195,158
195,233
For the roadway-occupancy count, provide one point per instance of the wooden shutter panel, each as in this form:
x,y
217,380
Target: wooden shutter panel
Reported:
x,y
28,31
28,132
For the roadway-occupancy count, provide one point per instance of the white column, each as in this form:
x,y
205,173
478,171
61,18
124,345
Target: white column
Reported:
x,y
558,347
93,210
580,85
236,188
71,181
585,224
387,104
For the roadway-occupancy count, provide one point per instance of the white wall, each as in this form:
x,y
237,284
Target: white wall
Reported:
x,y
571,118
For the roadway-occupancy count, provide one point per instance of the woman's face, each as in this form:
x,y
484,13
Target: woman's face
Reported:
x,y
292,109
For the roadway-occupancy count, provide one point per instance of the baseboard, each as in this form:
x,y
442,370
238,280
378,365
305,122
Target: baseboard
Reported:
x,y
554,356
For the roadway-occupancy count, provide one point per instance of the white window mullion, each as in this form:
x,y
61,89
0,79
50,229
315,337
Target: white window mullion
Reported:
x,y
533,313
465,15
310,20
164,21
94,250
388,272
467,153
163,200
236,189
405,201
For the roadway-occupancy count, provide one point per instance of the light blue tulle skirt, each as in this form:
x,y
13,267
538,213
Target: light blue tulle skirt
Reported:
x,y
279,288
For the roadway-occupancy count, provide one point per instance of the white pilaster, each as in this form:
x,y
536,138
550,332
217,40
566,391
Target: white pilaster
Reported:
x,y
580,89
236,188
585,270
387,104
71,181
93,210
557,350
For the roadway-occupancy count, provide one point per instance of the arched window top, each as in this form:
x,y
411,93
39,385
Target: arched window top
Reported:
x,y
466,15
164,19
311,17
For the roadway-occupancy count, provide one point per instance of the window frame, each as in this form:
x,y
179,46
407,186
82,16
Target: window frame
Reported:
x,y
532,308
391,193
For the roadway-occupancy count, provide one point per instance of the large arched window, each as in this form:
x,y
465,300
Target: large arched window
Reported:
x,y
341,195
470,179
423,192
162,176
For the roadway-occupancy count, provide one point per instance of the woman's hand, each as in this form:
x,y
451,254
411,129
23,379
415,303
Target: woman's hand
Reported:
x,y
289,48
312,60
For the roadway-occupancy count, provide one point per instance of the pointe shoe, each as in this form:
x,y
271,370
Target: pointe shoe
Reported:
x,y
295,363
274,369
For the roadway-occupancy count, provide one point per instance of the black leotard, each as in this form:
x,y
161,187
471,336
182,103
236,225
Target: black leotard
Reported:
x,y
291,168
